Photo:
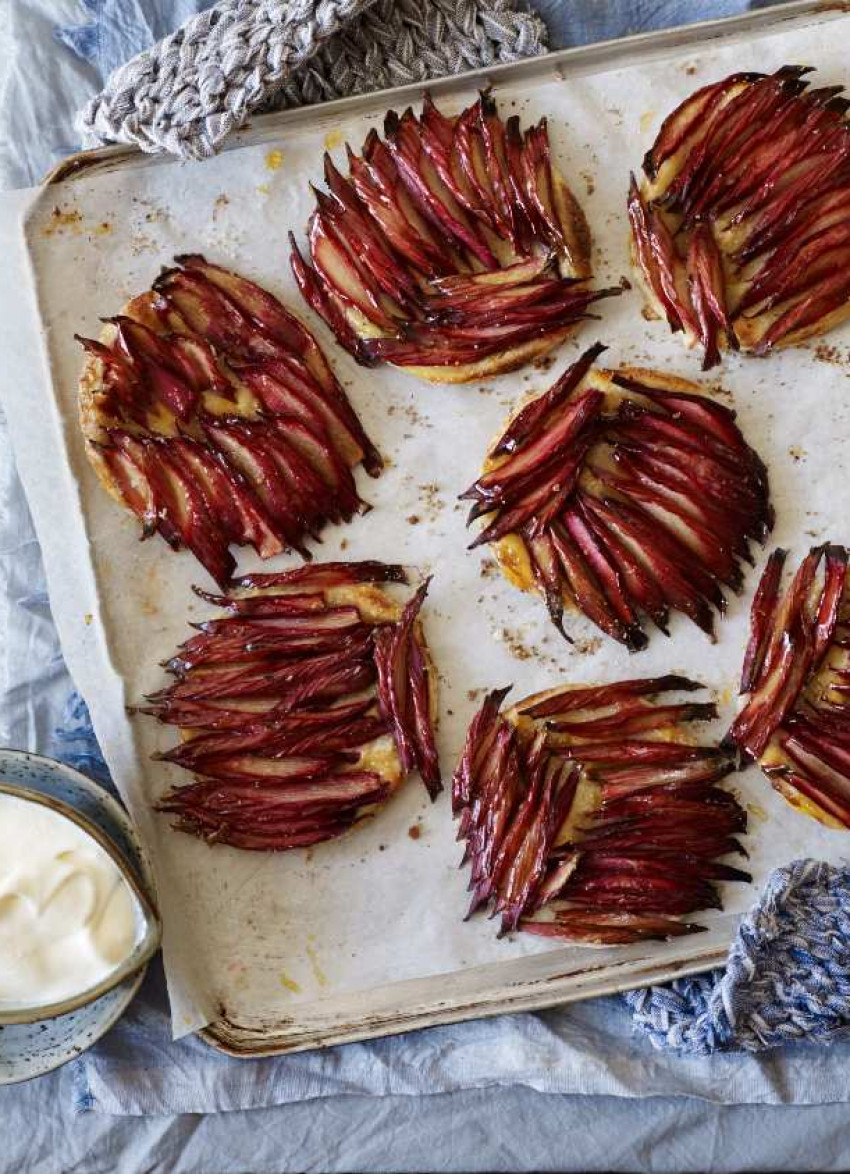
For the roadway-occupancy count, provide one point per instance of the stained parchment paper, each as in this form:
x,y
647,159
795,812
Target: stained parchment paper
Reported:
x,y
255,936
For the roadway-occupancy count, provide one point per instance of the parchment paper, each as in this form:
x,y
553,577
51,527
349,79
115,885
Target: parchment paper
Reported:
x,y
256,935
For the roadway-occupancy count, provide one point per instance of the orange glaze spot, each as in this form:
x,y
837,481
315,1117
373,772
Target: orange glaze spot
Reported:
x,y
515,564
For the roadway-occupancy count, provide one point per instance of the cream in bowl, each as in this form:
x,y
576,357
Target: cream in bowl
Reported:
x,y
73,920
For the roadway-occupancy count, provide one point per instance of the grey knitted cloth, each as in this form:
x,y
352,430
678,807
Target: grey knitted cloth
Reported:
x,y
187,93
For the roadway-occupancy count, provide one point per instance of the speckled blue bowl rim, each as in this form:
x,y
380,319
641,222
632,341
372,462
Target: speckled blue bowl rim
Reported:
x,y
57,779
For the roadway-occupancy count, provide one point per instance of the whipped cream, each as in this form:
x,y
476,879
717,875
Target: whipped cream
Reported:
x,y
68,917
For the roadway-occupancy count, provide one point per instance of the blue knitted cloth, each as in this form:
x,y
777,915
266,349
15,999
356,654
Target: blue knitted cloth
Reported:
x,y
787,976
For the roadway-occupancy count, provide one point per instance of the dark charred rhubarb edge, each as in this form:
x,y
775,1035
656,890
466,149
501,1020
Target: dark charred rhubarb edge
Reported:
x,y
767,156
281,694
403,245
639,858
269,481
795,720
665,520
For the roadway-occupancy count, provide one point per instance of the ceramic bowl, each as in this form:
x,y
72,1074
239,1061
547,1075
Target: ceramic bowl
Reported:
x,y
30,1049
151,930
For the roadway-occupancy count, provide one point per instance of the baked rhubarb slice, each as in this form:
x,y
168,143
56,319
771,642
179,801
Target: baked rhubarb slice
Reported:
x,y
453,248
623,494
741,226
795,720
591,814
302,707
212,414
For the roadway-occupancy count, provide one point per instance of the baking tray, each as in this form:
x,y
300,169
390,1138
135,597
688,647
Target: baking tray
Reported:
x,y
539,980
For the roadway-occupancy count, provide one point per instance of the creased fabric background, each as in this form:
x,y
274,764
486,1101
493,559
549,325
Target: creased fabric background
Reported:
x,y
53,55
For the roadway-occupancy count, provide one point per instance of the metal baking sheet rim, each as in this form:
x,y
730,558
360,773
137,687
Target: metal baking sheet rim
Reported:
x,y
599,977
243,1042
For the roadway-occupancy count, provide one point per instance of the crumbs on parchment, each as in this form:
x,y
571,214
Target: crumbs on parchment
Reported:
x,y
410,413
829,354
515,645
432,501
157,215
141,243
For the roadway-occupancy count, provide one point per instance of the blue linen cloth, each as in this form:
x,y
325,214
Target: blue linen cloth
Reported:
x,y
137,1069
